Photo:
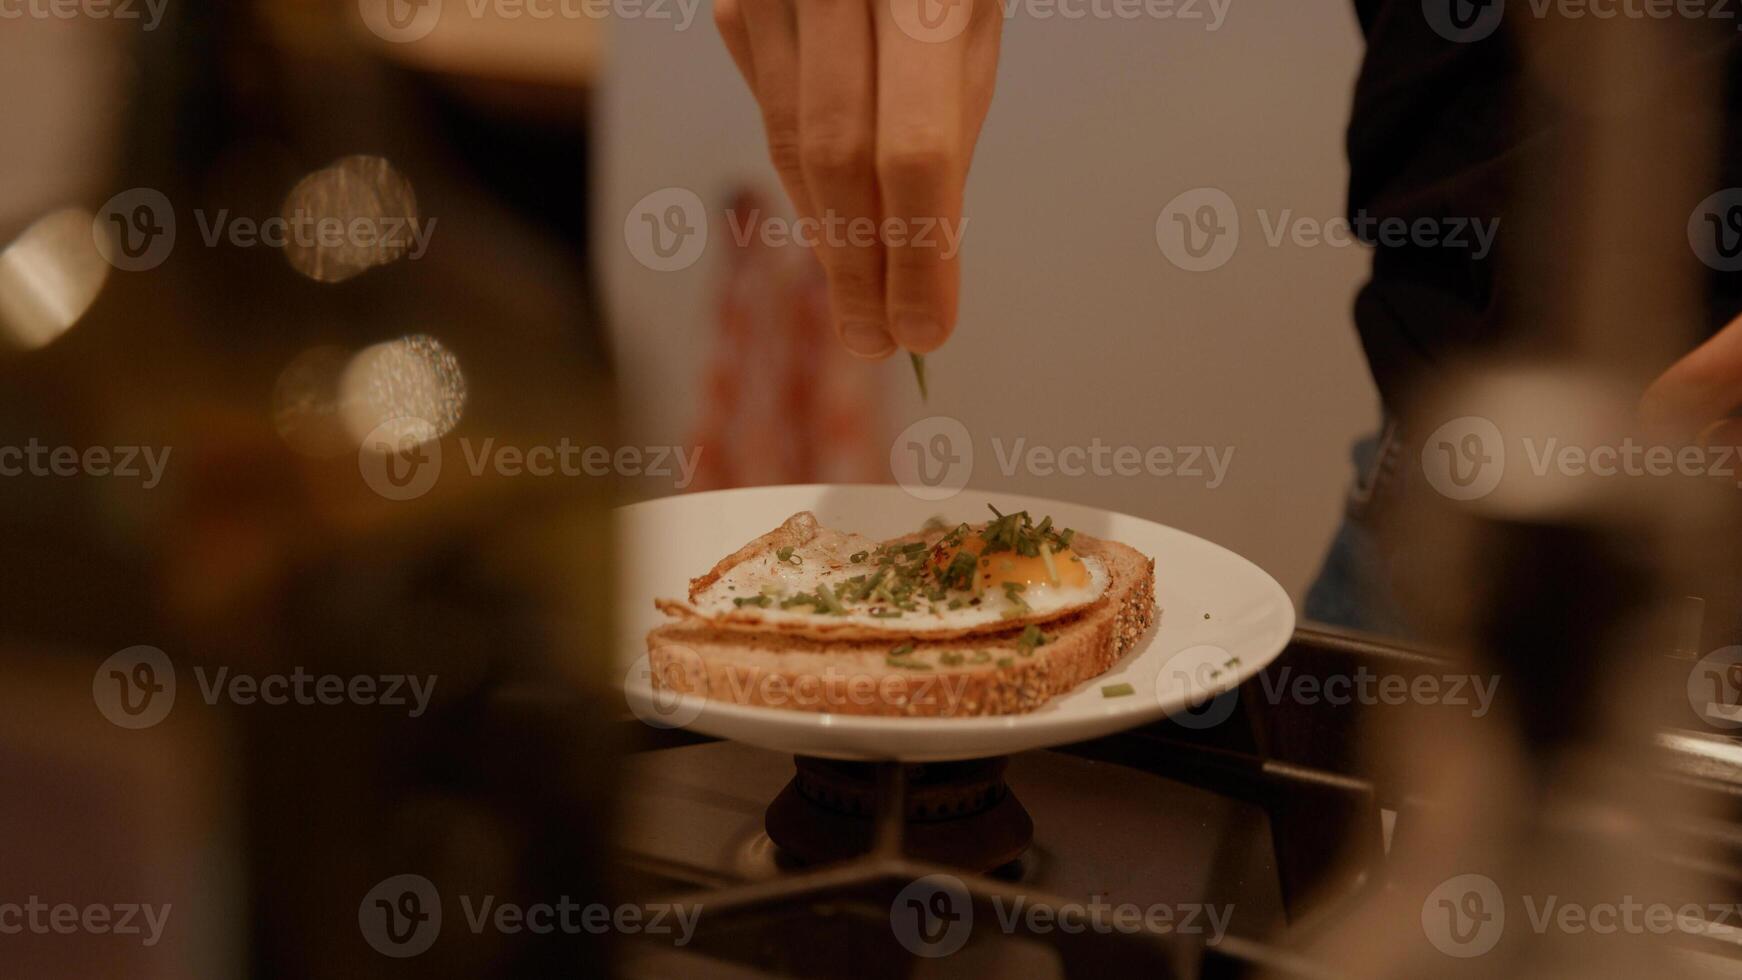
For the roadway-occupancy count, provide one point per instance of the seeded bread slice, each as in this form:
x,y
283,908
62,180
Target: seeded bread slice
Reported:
x,y
960,677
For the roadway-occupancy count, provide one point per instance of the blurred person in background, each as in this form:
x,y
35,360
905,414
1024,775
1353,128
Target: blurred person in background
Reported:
x,y
872,110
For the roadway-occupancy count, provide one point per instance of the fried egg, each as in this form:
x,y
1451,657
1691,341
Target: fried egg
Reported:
x,y
827,583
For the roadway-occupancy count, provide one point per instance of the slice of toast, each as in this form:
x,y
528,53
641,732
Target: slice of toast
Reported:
x,y
972,675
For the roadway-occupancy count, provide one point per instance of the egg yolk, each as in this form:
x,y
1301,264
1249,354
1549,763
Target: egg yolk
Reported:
x,y
992,571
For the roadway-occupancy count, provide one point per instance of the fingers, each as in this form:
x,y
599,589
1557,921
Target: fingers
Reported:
x,y
871,126
837,139
773,35
1704,386
921,167
735,31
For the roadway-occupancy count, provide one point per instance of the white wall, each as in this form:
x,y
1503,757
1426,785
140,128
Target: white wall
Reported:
x,y
1074,325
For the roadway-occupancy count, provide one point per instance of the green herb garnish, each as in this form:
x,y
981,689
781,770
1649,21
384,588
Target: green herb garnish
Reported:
x,y
829,602
894,659
1031,637
919,375
1117,690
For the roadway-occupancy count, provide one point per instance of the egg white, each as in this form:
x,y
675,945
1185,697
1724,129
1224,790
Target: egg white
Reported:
x,y
825,560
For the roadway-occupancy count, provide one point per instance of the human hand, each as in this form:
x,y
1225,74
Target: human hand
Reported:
x,y
872,110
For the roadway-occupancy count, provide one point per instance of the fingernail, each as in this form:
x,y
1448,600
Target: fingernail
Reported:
x,y
866,338
918,331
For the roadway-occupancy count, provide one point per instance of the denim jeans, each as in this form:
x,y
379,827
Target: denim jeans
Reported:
x,y
1352,590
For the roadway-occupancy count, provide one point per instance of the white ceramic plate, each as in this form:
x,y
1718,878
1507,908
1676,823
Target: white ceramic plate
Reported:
x,y
1222,619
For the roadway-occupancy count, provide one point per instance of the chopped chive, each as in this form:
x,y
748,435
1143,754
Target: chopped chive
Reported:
x,y
904,648
981,657
1052,570
1005,662
950,659
829,602
919,375
1117,690
857,557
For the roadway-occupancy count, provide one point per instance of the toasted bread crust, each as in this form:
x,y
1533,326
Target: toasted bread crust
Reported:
x,y
856,678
